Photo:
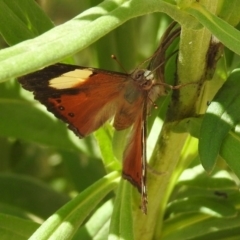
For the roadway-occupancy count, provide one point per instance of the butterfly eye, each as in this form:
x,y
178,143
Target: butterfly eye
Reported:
x,y
138,75
143,78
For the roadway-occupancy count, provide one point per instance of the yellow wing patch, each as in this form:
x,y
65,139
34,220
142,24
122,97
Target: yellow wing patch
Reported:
x,y
70,79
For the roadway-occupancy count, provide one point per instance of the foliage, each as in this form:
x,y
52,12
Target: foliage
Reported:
x,y
54,186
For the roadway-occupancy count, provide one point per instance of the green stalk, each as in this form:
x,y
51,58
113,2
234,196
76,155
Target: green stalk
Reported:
x,y
191,67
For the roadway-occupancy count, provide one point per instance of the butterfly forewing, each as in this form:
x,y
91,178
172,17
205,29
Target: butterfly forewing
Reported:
x,y
84,98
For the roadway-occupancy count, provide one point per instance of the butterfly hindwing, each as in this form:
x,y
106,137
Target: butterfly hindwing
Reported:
x,y
134,157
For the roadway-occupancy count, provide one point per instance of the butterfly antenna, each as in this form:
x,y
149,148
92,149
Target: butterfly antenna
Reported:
x,y
165,41
115,58
153,103
154,70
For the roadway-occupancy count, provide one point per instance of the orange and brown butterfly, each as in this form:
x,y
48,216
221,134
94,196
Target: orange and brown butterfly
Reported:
x,y
85,98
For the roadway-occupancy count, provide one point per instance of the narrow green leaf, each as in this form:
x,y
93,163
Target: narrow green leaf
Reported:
x,y
15,228
98,225
229,11
208,205
14,187
222,115
119,142
222,182
230,152
226,33
104,139
66,221
201,227
91,25
83,170
35,125
122,223
20,21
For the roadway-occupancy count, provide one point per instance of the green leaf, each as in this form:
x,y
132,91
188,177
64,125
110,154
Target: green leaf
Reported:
x,y
104,139
82,170
122,222
221,116
22,20
227,34
15,228
217,193
230,152
91,25
40,127
221,181
208,205
76,211
200,227
15,191
119,142
229,11
98,225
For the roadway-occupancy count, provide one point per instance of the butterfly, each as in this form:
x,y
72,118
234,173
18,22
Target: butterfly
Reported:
x,y
85,98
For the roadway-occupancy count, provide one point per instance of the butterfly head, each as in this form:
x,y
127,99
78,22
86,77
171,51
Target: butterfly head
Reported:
x,y
143,78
